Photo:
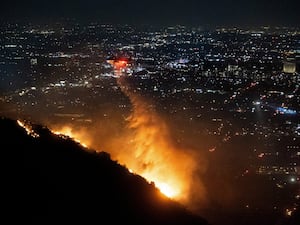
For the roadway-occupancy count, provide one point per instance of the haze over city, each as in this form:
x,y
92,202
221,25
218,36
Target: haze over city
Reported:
x,y
199,98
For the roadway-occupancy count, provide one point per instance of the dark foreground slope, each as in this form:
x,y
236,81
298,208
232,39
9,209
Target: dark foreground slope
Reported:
x,y
52,180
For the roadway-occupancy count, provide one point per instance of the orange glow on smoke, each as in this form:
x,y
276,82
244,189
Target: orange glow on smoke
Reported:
x,y
147,148
153,156
76,136
153,153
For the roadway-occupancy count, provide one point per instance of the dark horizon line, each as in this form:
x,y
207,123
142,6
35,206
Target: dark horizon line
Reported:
x,y
58,20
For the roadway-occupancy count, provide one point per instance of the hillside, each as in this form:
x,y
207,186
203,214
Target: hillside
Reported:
x,y
49,179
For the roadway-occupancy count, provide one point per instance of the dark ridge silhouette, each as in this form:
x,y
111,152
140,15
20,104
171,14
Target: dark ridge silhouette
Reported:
x,y
53,180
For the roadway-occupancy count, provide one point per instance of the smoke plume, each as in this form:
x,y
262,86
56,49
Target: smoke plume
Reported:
x,y
155,156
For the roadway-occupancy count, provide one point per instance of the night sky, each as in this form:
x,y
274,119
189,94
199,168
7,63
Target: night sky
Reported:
x,y
158,12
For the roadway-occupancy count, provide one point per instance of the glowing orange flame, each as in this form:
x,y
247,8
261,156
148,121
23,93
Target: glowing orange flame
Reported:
x,y
147,148
154,154
68,131
28,129
147,161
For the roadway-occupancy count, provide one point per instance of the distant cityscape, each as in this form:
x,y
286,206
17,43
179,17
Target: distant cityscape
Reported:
x,y
229,92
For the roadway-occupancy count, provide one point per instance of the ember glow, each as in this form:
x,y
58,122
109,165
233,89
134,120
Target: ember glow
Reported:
x,y
28,129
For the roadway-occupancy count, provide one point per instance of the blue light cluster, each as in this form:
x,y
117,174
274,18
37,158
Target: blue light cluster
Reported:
x,y
286,111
